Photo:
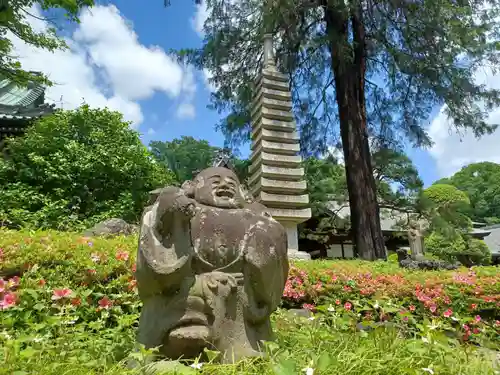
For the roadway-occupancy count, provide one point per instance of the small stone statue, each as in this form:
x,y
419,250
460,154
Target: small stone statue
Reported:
x,y
416,241
211,268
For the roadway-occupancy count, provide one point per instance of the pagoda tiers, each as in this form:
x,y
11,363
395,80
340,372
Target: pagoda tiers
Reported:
x,y
19,106
276,177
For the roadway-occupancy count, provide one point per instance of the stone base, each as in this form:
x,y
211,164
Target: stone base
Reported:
x,y
298,255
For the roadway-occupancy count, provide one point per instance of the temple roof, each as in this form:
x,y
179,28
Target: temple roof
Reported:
x,y
22,103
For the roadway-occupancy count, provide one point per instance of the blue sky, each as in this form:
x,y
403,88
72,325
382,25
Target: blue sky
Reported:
x,y
171,28
118,59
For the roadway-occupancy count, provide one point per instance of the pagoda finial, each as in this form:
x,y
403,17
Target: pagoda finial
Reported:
x,y
268,50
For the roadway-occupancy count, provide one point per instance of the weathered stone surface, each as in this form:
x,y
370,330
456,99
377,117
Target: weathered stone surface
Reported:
x,y
110,228
416,241
211,268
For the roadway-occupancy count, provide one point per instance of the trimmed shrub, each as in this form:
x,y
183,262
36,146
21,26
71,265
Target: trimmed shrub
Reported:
x,y
74,169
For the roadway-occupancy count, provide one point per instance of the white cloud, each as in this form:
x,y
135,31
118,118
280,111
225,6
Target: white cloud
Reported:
x,y
452,151
186,111
151,131
199,18
207,75
106,65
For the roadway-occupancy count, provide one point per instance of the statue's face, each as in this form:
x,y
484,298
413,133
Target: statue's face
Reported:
x,y
218,187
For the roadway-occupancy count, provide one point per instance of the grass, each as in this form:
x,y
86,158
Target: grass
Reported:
x,y
78,334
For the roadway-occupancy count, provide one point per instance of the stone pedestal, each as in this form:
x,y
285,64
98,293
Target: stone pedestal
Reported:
x,y
293,242
276,177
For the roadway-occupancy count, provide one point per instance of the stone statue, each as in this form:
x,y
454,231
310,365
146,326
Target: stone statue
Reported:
x,y
416,241
211,268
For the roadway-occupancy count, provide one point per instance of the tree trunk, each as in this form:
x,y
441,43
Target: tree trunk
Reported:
x,y
348,66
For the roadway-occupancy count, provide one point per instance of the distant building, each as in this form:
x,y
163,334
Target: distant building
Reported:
x,y
19,106
493,241
394,225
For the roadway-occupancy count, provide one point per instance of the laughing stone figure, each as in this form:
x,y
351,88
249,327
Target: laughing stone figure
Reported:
x,y
211,269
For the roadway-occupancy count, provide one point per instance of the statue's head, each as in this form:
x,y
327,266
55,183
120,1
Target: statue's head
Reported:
x,y
216,187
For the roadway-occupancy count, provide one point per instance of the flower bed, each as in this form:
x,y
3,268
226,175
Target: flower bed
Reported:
x,y
52,278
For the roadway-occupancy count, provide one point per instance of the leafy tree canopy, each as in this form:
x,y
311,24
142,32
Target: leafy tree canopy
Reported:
x,y
75,168
481,182
184,156
14,17
398,182
447,207
418,55
187,156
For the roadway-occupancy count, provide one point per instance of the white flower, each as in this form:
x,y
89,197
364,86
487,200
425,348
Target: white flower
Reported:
x,y
331,308
311,318
455,319
38,339
376,306
308,370
197,366
429,370
425,339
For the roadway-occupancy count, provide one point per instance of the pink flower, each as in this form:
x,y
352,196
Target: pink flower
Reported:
x,y
476,331
134,267
448,313
433,308
466,327
497,323
8,300
337,302
473,306
405,318
348,306
122,255
41,282
412,308
477,318
76,301
105,303
308,306
61,293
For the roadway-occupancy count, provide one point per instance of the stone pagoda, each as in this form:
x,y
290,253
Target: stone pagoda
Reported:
x,y
277,179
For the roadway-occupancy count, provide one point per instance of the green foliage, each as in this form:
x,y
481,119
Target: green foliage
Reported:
x,y
446,195
477,252
187,156
325,183
398,182
481,182
14,20
446,209
407,73
75,168
445,247
184,157
76,311
466,250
